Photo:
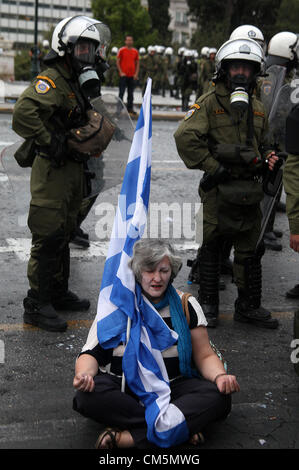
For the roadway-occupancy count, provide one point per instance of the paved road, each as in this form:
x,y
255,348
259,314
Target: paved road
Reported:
x,y
36,376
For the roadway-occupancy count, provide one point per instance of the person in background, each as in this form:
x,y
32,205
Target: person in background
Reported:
x,y
128,69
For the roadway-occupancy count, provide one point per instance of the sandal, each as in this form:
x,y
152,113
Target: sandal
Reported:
x,y
112,433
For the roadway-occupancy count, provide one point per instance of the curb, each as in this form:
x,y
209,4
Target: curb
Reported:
x,y
156,115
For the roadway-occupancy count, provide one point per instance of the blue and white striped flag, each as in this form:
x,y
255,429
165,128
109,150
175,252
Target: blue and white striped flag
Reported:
x,y
121,300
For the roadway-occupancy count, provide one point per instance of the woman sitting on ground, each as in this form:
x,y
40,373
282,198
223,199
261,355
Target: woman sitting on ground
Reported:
x,y
202,399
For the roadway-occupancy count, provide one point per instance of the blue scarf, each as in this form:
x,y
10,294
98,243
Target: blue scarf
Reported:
x,y
181,327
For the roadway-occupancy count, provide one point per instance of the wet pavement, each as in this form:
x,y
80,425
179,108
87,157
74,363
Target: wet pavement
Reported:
x,y
37,369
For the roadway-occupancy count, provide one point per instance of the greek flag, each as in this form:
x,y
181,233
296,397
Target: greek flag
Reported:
x,y
121,302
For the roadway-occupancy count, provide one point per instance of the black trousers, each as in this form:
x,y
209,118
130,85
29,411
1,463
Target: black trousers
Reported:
x,y
127,82
199,400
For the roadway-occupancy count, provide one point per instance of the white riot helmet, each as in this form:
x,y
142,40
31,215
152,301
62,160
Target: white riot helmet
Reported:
x,y
159,49
181,51
212,50
85,42
205,51
70,30
142,50
168,51
151,49
239,49
188,53
235,53
247,31
114,50
46,44
282,50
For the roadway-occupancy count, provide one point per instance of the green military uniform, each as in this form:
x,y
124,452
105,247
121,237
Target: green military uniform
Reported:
x,y
56,191
210,135
112,75
142,70
158,73
290,180
151,67
206,73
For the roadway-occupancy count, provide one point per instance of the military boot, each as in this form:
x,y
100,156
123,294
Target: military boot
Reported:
x,y
69,301
80,238
208,294
42,314
39,310
248,307
271,242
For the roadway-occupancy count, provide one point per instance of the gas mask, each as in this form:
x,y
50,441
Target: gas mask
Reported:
x,y
85,62
239,97
241,86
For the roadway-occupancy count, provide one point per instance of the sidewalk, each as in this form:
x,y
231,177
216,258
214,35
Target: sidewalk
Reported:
x,y
164,108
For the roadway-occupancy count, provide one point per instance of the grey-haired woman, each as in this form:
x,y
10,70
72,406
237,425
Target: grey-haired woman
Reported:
x,y
202,399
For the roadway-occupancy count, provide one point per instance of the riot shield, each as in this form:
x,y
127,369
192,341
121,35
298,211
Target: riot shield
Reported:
x,y
271,85
19,179
101,173
280,108
107,171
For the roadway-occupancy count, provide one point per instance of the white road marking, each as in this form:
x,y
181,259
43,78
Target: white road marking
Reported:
x,y
21,248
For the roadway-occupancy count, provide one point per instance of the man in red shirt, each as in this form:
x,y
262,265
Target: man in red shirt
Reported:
x,y
128,68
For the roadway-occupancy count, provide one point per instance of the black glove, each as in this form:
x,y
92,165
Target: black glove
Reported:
x,y
209,182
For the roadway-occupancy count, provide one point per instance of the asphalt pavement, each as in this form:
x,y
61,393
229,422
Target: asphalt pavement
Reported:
x,y
37,367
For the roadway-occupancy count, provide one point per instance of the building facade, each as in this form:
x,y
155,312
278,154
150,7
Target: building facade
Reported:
x,y
17,17
181,24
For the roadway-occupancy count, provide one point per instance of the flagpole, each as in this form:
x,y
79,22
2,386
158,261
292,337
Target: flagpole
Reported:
x,y
123,379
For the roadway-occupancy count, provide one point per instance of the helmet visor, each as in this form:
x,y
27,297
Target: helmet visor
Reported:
x,y
85,51
92,29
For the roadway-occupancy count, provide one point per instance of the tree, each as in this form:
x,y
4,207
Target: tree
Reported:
x,y
217,19
123,18
159,13
287,18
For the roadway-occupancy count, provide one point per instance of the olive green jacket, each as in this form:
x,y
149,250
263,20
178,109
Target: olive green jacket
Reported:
x,y
291,186
36,109
210,122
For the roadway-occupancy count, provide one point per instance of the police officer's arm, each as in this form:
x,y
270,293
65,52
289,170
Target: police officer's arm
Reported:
x,y
192,140
290,181
32,110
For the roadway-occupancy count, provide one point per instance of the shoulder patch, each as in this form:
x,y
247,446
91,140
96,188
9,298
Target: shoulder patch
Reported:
x,y
189,114
42,87
259,113
44,77
195,105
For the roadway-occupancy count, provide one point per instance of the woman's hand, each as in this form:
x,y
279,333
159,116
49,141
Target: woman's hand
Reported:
x,y
83,382
227,384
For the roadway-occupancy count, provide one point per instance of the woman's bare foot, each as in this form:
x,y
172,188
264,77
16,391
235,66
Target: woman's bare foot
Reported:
x,y
111,438
197,439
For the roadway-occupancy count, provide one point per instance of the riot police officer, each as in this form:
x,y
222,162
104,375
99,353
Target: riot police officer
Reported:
x,y
52,105
282,51
223,135
188,71
248,31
